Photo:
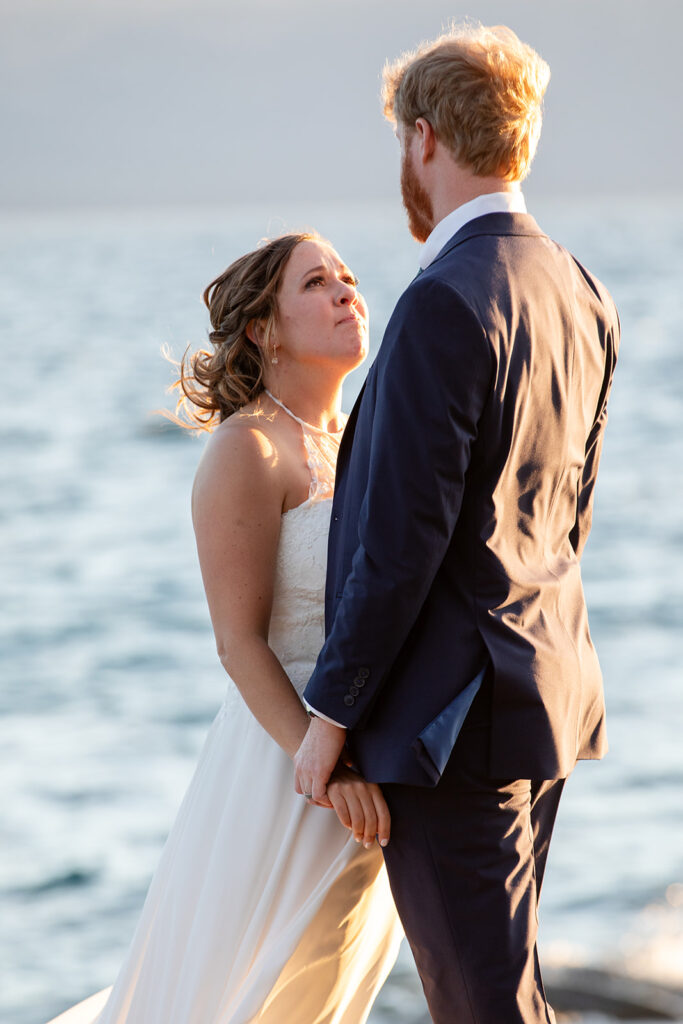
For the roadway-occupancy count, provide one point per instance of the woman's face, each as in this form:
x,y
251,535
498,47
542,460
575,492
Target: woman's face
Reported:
x,y
322,318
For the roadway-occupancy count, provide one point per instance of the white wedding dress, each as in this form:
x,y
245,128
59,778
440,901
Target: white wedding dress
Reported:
x,y
262,908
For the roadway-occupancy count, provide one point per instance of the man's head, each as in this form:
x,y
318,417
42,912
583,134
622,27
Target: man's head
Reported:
x,y
480,91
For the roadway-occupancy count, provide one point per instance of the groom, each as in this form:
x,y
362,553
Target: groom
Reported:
x,y
458,663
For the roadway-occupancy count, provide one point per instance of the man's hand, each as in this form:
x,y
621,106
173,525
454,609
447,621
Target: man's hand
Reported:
x,y
316,759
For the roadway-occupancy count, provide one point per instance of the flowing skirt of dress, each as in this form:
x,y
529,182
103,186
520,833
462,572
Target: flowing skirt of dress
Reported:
x,y
263,909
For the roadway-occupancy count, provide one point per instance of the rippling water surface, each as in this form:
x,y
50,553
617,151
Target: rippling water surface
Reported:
x,y
109,673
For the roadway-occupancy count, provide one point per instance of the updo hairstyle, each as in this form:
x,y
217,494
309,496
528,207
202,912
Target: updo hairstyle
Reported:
x,y
217,383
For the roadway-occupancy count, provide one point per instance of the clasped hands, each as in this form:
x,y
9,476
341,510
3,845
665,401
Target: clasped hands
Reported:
x,y
325,777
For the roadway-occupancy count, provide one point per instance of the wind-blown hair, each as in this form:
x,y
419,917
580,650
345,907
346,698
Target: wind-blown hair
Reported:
x,y
481,89
215,383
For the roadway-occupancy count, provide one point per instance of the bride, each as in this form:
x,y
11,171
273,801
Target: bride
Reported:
x,y
263,907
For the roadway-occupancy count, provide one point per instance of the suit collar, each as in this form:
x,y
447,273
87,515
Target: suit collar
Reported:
x,y
488,202
491,224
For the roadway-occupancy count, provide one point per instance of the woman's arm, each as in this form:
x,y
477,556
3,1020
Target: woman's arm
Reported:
x,y
237,505
236,508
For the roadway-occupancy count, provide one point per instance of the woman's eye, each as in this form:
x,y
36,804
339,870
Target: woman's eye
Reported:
x,y
315,280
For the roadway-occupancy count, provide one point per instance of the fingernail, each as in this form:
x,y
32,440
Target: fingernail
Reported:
x,y
368,845
384,842
357,838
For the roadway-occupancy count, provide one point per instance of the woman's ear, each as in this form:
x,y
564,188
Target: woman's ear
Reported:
x,y
255,331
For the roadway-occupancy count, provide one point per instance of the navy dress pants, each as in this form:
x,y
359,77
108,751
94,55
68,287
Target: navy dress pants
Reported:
x,y
466,862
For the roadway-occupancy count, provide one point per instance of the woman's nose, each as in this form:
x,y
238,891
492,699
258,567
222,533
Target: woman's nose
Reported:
x,y
347,293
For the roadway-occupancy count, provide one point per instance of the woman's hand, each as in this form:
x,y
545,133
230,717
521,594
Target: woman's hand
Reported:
x,y
360,806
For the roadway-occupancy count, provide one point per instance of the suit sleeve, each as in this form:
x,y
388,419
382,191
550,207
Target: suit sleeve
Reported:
x,y
434,376
589,473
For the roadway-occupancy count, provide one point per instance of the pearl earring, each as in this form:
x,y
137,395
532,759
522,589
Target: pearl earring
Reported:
x,y
274,360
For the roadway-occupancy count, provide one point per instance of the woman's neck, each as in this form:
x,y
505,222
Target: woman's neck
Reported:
x,y
319,406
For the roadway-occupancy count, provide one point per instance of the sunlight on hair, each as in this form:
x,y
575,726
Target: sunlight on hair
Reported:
x,y
481,89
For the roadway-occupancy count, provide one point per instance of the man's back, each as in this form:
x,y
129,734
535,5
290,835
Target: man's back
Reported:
x,y
535,337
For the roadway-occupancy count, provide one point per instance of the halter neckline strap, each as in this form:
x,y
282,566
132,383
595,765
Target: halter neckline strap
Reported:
x,y
303,423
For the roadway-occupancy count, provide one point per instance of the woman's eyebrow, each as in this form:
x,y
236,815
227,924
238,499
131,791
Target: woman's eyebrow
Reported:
x,y
311,270
343,269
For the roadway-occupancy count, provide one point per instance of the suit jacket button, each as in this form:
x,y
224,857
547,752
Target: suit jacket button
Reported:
x,y
349,700
364,673
354,690
358,681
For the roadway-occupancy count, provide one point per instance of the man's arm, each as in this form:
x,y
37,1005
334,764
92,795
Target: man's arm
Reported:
x,y
432,385
589,473
314,713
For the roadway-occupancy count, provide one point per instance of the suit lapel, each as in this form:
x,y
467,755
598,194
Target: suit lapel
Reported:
x,y
347,436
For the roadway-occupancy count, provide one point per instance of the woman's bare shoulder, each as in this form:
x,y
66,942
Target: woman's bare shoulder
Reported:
x,y
240,458
245,434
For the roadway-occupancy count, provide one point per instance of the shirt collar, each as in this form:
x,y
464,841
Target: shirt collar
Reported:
x,y
492,202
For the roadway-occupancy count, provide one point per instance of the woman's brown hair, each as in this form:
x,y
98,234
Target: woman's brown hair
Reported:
x,y
216,383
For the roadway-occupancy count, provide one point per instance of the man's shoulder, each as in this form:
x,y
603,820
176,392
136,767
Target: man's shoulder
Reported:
x,y
431,293
599,290
465,273
479,262
434,321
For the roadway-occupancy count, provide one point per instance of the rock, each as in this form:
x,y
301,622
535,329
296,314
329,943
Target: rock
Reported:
x,y
619,996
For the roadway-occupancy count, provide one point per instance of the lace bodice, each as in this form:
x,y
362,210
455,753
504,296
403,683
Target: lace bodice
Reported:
x,y
297,622
322,448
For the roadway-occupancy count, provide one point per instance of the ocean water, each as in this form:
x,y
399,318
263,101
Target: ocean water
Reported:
x,y
109,677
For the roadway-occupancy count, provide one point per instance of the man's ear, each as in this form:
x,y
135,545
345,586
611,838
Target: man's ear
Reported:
x,y
426,139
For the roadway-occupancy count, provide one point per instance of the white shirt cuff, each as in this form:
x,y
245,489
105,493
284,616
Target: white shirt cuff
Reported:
x,y
325,718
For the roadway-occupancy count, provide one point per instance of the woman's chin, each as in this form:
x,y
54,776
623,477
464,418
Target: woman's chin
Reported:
x,y
362,347
352,354
359,355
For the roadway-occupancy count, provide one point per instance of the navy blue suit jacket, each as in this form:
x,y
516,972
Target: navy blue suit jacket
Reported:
x,y
462,503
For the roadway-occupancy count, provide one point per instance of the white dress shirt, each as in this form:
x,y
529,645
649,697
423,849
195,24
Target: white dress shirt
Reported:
x,y
492,202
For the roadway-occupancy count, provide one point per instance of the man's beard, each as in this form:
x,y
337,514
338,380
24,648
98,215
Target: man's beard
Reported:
x,y
417,203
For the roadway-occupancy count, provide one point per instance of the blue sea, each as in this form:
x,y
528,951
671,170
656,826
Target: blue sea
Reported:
x,y
109,676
